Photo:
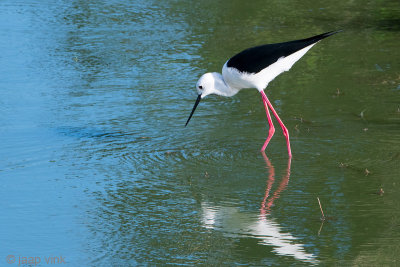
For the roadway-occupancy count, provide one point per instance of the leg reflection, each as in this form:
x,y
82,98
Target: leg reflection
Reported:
x,y
267,203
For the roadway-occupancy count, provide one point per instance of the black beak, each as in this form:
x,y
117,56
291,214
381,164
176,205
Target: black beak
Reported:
x,y
194,108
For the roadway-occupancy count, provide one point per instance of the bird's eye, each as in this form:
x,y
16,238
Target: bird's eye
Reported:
x,y
200,87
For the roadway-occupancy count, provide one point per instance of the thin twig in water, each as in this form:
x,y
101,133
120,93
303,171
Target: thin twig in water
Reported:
x,y
323,216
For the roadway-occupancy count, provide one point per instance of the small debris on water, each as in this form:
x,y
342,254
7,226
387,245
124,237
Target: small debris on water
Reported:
x,y
379,192
362,114
378,68
343,165
168,153
337,93
365,129
302,120
366,172
297,128
206,175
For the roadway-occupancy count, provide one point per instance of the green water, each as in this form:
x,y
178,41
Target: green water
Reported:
x,y
98,168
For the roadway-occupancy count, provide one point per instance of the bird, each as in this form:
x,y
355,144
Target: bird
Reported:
x,y
256,67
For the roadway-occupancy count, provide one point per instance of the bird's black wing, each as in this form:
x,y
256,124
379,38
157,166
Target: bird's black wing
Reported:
x,y
255,59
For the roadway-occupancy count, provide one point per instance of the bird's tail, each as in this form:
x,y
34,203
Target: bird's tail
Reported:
x,y
323,35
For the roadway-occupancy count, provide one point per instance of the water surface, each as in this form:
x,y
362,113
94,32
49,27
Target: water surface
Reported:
x,y
98,167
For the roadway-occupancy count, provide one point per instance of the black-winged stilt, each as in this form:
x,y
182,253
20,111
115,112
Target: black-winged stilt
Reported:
x,y
254,68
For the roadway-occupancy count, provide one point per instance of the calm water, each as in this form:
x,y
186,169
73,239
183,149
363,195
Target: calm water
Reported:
x,y
97,167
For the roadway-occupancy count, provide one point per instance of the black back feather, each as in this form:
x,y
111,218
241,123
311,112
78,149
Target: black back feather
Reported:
x,y
255,59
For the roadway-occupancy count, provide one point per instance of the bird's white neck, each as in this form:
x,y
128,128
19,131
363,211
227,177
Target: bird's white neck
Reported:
x,y
221,87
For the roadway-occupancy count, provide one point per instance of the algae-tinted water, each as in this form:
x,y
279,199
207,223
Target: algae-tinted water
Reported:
x,y
97,166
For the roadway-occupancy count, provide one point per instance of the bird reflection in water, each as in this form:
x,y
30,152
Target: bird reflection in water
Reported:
x,y
266,205
234,222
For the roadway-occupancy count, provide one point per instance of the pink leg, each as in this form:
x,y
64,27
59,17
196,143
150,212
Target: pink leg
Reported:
x,y
284,129
271,130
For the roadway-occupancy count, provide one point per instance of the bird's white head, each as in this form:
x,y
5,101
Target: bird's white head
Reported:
x,y
207,83
210,83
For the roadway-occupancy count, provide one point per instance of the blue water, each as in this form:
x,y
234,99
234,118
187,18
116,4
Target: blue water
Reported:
x,y
98,168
